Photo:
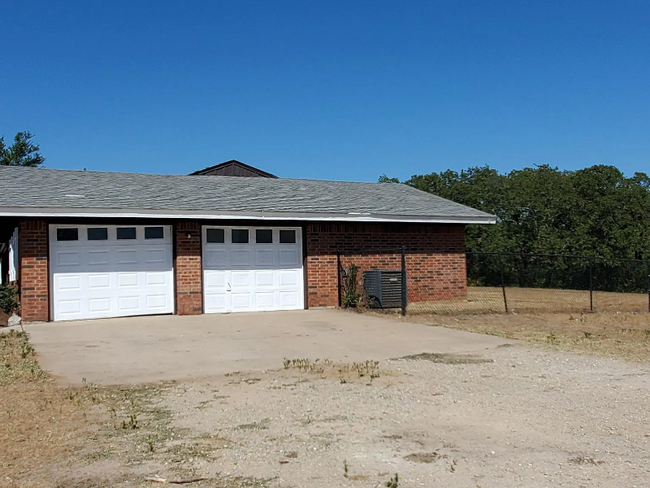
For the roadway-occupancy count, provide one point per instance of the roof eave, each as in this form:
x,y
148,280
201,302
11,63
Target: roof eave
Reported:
x,y
43,212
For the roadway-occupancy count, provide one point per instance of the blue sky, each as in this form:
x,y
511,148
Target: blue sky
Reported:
x,y
328,89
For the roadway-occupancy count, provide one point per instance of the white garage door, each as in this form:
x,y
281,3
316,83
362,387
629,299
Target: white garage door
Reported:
x,y
110,271
252,269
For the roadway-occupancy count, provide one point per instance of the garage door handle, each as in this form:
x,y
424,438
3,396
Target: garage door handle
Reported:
x,y
229,289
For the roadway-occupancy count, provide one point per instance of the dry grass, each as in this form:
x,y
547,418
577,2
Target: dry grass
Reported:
x,y
38,421
88,436
625,335
535,300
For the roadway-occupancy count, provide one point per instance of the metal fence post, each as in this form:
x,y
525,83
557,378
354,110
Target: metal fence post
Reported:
x,y
404,293
503,289
648,286
591,285
338,275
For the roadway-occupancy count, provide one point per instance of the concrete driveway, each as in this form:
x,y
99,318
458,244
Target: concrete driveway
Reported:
x,y
145,349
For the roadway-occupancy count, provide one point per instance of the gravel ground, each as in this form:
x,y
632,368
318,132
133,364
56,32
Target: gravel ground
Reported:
x,y
516,417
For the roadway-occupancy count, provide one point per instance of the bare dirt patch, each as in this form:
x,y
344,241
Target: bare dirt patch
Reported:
x,y
625,335
520,417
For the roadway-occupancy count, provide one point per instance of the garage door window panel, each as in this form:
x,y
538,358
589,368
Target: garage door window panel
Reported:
x,y
287,236
97,234
154,233
216,236
264,236
240,236
67,234
126,233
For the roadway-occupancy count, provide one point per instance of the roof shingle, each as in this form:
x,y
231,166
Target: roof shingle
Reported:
x,y
34,188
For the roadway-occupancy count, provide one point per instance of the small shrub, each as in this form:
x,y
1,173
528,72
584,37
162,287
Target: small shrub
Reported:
x,y
132,423
8,299
393,482
350,294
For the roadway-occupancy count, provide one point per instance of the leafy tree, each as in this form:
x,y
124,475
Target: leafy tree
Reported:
x,y
385,179
595,211
23,152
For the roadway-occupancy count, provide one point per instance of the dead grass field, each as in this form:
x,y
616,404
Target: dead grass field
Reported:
x,y
623,335
534,300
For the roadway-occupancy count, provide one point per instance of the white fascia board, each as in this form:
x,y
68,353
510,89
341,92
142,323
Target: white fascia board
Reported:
x,y
202,215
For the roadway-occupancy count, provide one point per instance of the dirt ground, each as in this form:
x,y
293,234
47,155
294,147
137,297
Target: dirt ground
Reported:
x,y
619,335
517,416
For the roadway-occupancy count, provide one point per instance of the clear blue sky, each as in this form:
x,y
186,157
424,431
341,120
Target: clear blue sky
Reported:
x,y
328,89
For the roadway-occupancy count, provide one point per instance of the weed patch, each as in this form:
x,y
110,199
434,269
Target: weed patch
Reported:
x,y
447,358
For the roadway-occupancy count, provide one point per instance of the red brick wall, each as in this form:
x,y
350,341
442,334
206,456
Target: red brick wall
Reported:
x,y
435,258
189,285
34,276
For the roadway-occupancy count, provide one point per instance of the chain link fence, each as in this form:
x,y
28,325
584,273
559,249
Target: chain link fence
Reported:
x,y
497,283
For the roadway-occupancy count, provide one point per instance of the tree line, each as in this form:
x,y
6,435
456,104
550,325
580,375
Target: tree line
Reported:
x,y
595,212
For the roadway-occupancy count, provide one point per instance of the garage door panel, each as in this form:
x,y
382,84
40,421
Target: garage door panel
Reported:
x,y
215,302
215,279
98,281
264,258
70,258
110,277
288,278
240,257
241,302
264,279
157,301
128,303
99,305
265,300
70,306
215,259
95,258
242,277
127,256
288,258
288,299
155,256
155,279
125,280
69,282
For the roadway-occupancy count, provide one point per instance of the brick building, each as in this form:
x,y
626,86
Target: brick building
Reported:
x,y
92,244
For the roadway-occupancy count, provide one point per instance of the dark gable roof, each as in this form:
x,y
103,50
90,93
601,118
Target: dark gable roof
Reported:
x,y
233,168
51,192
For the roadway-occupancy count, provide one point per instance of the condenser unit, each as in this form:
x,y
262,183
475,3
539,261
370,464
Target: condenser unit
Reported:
x,y
384,288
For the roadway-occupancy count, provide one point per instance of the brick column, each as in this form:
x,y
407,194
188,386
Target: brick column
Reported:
x,y
34,279
189,284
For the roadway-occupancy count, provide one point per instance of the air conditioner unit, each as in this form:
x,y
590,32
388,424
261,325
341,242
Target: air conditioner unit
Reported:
x,y
384,288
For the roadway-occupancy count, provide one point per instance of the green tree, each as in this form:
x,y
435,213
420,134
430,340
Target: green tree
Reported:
x,y
595,211
23,152
385,179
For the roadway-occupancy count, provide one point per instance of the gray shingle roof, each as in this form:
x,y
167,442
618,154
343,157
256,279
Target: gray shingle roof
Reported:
x,y
65,190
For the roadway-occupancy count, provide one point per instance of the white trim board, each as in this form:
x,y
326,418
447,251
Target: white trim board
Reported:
x,y
202,215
